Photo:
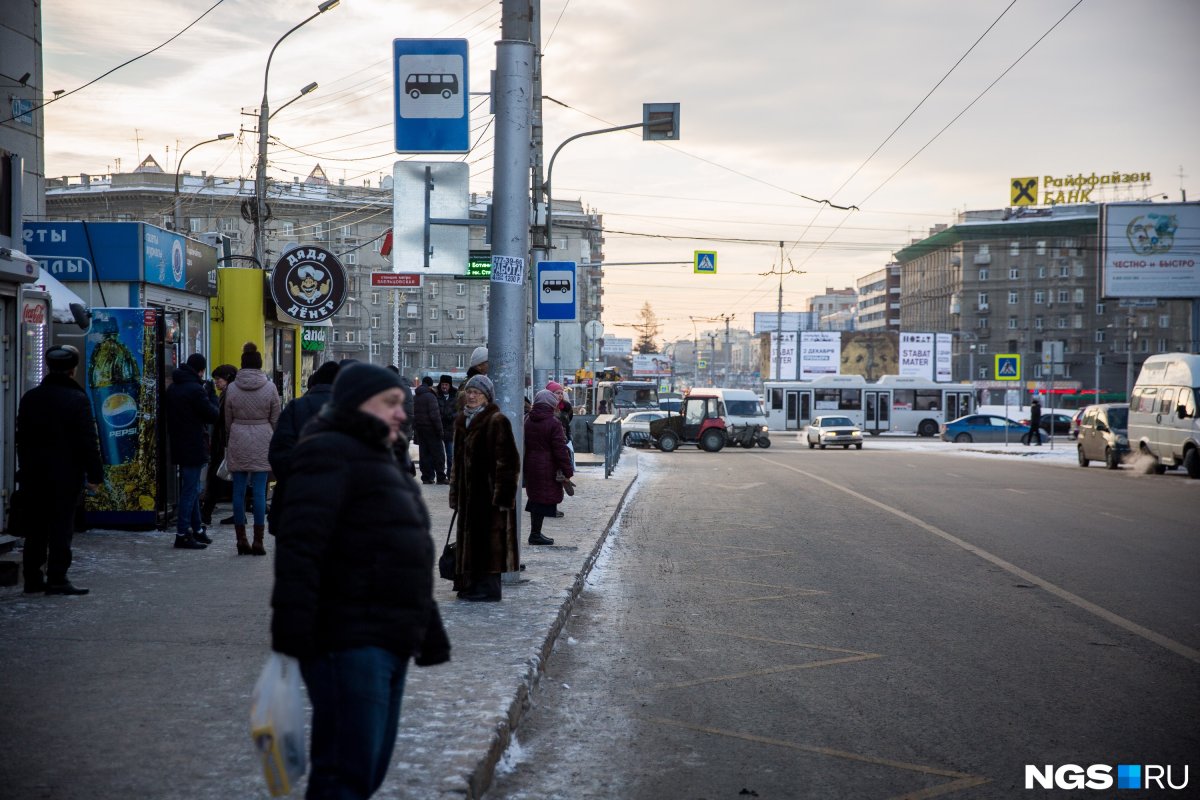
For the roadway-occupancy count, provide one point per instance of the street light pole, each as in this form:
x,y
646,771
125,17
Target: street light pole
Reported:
x,y
264,116
179,165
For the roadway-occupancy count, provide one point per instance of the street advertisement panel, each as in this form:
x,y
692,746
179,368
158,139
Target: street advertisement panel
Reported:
x,y
309,284
1150,249
651,365
782,357
820,354
916,355
614,346
163,259
767,321
121,369
871,354
69,250
944,371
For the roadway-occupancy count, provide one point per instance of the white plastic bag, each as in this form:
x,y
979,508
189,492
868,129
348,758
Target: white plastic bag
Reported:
x,y
223,471
277,724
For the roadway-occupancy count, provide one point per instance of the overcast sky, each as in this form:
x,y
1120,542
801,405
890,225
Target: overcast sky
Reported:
x,y
780,98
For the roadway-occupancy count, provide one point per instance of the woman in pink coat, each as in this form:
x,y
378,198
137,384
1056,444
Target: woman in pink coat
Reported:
x,y
251,411
546,459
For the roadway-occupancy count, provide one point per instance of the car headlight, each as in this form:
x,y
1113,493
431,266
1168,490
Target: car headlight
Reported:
x,y
856,433
764,428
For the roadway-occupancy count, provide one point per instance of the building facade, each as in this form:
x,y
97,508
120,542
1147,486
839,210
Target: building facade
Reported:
x,y
1012,281
879,300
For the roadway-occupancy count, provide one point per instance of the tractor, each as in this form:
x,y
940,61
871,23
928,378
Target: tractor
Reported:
x,y
698,422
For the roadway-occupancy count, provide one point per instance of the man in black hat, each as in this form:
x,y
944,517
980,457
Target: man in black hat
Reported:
x,y
427,421
57,451
191,408
447,397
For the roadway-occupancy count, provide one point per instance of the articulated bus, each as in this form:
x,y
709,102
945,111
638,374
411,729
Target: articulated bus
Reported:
x,y
893,403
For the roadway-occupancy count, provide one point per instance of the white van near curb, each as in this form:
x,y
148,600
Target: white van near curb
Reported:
x,y
738,406
1163,412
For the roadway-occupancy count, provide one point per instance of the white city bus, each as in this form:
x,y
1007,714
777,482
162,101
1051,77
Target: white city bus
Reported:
x,y
894,403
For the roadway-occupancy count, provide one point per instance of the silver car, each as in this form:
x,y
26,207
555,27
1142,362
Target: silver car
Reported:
x,y
635,428
833,430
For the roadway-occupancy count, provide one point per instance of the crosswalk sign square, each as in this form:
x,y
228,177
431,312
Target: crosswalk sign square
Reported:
x,y
705,262
1008,366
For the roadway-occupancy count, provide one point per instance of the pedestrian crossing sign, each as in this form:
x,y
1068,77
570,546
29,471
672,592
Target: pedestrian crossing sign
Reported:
x,y
1008,366
705,262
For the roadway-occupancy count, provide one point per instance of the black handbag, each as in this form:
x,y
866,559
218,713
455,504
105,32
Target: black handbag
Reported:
x,y
446,565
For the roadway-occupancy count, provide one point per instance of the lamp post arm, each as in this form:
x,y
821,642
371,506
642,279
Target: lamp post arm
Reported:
x,y
179,166
271,55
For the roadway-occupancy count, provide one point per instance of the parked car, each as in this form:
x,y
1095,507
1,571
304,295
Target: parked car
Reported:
x,y
983,428
1075,420
833,430
1062,423
1104,434
635,429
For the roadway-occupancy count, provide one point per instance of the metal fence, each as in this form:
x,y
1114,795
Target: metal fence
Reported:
x,y
612,447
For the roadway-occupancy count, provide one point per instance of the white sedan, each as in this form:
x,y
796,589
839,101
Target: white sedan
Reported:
x,y
833,430
635,428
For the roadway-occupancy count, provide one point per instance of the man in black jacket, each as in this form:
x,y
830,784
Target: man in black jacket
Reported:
x,y
292,419
427,422
57,450
447,397
191,407
353,597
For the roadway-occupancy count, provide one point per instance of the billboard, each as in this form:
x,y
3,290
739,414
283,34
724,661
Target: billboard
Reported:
x,y
651,365
820,354
782,357
767,321
871,354
916,355
943,371
616,347
1150,249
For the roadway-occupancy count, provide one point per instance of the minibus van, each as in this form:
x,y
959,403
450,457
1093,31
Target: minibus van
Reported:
x,y
1163,421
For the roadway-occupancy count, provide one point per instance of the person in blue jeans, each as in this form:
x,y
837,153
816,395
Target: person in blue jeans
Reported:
x,y
251,412
353,595
191,407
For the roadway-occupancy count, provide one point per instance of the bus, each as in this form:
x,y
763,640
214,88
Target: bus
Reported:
x,y
894,403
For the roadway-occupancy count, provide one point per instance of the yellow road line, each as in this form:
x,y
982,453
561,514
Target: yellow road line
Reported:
x,y
1191,654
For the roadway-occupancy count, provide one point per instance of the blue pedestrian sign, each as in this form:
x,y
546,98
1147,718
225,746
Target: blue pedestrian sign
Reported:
x,y
555,289
430,88
1008,367
704,262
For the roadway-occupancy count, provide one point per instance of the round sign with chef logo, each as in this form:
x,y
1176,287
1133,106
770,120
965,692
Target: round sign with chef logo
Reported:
x,y
309,284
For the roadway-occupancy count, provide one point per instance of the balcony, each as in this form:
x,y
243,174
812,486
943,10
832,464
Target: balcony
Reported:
x,y
980,259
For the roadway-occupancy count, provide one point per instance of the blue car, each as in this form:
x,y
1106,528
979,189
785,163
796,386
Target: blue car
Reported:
x,y
984,428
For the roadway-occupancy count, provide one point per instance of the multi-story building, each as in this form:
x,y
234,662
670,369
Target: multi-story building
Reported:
x,y
431,330
879,300
834,309
1008,281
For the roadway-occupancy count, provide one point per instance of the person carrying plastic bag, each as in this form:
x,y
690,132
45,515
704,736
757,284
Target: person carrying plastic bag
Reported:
x,y
353,597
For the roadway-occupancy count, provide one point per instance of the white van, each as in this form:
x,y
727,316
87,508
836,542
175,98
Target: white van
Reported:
x,y
738,406
1163,420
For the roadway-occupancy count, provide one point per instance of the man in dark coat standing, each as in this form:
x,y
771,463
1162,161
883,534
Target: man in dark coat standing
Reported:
x,y
1035,422
427,422
292,419
57,450
447,397
191,407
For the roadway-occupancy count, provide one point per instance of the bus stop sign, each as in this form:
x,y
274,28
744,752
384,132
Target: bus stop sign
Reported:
x,y
430,89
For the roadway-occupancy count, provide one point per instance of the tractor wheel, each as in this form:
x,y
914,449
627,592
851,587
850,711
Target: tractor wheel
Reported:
x,y
764,443
712,441
668,442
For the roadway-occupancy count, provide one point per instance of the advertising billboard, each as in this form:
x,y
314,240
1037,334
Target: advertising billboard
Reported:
x,y
871,354
767,321
782,357
614,346
651,365
1150,249
916,355
944,370
820,354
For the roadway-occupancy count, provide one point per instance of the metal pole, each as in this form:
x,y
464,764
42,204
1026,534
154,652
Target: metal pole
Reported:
x,y
779,320
396,295
179,166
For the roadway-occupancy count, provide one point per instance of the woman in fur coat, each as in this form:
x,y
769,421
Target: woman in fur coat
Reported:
x,y
483,492
546,458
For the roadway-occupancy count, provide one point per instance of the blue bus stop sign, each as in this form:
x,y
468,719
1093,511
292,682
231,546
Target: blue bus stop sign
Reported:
x,y
556,293
430,87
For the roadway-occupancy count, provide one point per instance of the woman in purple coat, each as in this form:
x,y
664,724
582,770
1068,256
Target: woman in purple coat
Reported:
x,y
546,458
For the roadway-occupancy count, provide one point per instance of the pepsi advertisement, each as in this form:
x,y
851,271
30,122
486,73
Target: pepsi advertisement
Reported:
x,y
121,379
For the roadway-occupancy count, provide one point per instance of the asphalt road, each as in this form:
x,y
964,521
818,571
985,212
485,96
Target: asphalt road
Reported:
x,y
876,624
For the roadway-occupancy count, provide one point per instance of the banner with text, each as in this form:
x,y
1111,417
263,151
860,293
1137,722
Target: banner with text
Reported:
x,y
820,354
916,355
783,356
945,368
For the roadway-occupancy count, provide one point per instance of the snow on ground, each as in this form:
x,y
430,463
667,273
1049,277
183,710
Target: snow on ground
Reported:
x,y
1061,449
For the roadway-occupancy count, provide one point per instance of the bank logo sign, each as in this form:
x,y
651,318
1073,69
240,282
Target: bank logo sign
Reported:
x,y
1105,776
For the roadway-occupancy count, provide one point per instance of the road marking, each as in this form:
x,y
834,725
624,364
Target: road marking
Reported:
x,y
1117,516
961,780
1016,491
1191,654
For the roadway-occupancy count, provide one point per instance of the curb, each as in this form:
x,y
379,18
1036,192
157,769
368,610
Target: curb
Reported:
x,y
480,778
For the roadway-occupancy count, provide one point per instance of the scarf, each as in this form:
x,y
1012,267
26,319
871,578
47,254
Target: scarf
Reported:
x,y
470,413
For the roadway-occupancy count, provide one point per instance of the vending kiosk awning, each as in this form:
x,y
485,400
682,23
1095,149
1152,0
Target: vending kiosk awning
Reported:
x,y
16,266
61,297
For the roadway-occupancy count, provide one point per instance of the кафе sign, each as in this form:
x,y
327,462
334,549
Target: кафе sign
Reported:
x,y
309,284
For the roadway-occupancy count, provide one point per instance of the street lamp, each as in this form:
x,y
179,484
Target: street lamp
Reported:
x,y
264,115
179,165
312,86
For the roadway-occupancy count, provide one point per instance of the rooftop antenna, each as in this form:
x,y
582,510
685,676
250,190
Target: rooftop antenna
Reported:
x,y
137,141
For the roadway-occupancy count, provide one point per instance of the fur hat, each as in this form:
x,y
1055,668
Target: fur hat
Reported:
x,y
324,374
62,358
554,386
196,363
545,397
427,381
484,384
359,382
447,379
478,356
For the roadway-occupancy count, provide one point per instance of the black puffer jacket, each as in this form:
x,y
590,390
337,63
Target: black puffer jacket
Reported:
x,y
354,556
292,419
427,412
190,409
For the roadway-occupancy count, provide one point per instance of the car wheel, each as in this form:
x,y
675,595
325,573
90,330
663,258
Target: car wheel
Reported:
x,y
1191,463
627,439
927,428
822,447
712,441
858,447
845,447
811,445
963,438
668,442
1083,460
1112,459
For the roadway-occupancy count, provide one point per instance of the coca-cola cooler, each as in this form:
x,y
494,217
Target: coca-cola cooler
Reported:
x,y
123,376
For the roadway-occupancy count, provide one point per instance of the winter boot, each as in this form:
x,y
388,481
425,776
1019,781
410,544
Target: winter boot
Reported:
x,y
243,546
186,542
258,548
540,538
202,535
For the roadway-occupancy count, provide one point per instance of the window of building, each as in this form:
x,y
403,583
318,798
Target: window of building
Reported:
x,y
433,290
982,322
1014,273
350,258
433,337
374,298
1064,295
1038,323
1063,322
433,361
1164,320
337,335
1099,336
1064,271
375,321
433,313
1039,297
983,348
1079,268
460,313
1144,344
460,361
1078,320
1079,295
984,273
983,373
983,300
348,309
1014,248
406,360
288,229
349,337
1041,247
460,289
1162,345
1038,372
459,337
1014,298
411,337
1012,323
1041,270
984,249
228,224
195,224
374,348
1100,309
413,311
